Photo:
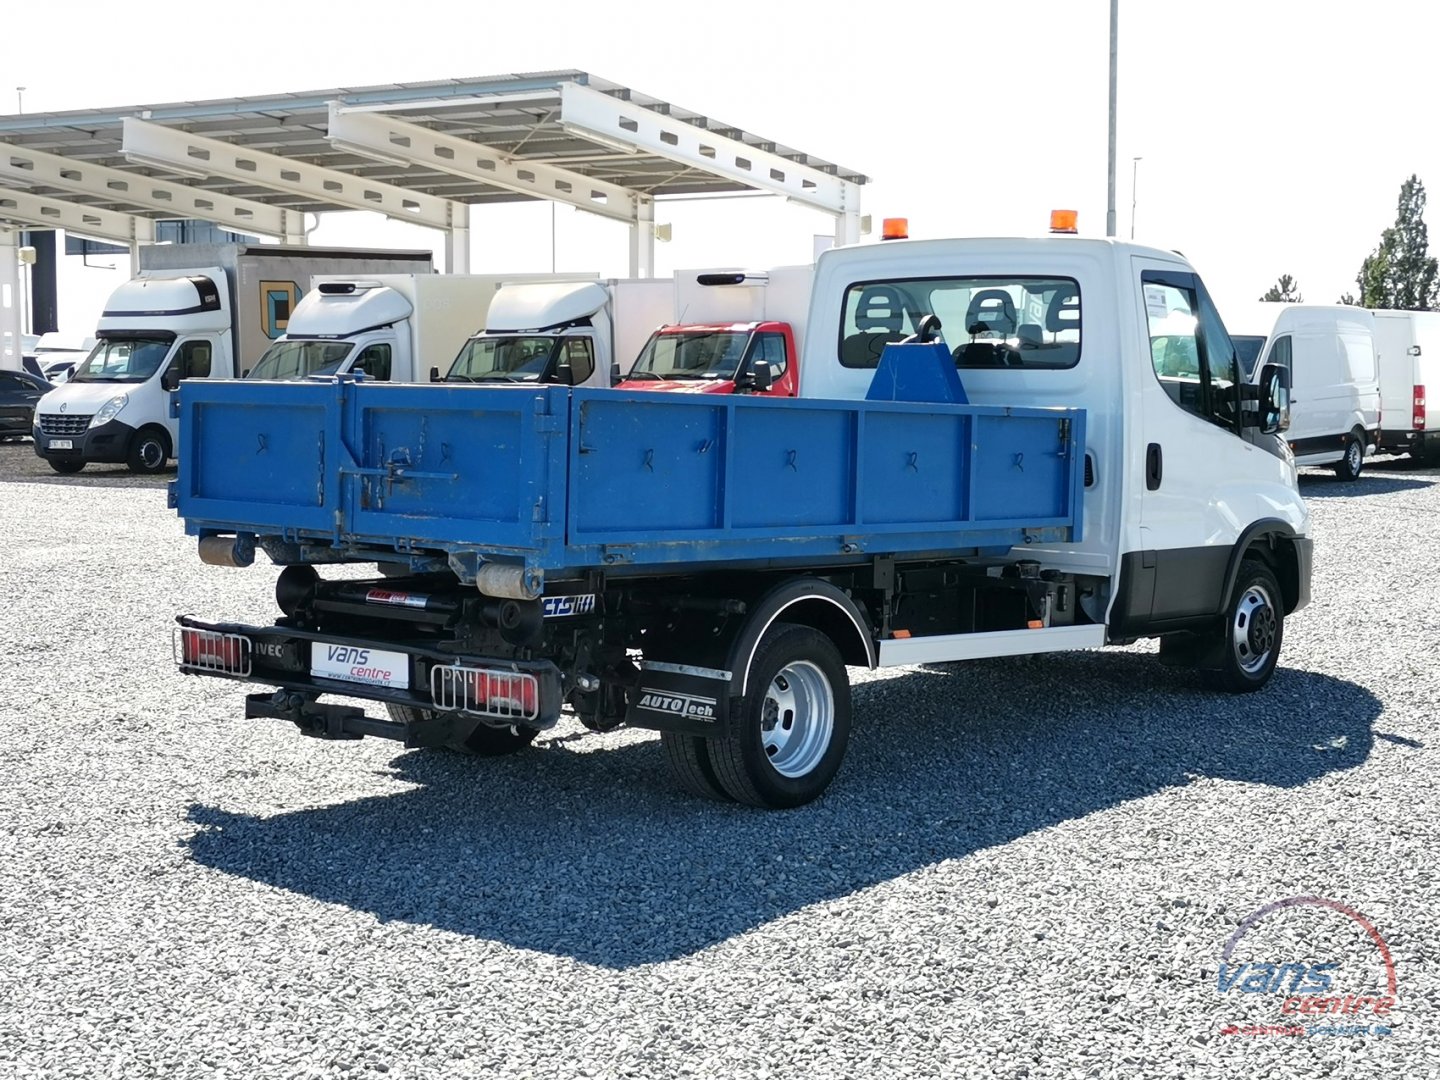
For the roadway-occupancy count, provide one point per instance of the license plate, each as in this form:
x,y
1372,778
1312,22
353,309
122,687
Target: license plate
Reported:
x,y
370,667
62,444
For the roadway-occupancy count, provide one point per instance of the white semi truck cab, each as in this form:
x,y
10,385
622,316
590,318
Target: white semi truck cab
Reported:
x,y
575,332
391,327
195,311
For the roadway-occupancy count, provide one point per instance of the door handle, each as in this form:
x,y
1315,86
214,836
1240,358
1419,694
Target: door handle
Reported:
x,y
1154,466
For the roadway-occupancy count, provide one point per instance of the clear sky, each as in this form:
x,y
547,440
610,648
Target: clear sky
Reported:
x,y
1274,135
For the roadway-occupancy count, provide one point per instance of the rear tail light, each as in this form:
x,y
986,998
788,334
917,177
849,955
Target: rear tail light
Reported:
x,y
210,650
506,695
1417,421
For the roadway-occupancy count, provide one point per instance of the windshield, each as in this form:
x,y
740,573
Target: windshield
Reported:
x,y
132,360
1249,350
705,354
297,359
502,359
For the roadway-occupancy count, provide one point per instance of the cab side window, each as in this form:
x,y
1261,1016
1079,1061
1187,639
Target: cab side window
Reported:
x,y
1193,357
192,360
771,347
375,361
581,360
1280,354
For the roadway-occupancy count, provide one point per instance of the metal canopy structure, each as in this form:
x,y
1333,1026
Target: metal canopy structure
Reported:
x,y
562,135
418,152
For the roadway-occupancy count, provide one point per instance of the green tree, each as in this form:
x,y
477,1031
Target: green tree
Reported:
x,y
1400,273
1284,291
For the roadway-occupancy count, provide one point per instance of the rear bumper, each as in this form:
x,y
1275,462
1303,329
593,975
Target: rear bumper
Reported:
x,y
108,443
1400,440
279,656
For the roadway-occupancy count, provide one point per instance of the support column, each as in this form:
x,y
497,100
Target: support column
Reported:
x,y
142,231
9,300
847,227
457,240
294,222
642,239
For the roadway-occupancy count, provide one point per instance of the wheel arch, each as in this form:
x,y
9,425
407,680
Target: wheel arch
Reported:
x,y
1274,541
808,602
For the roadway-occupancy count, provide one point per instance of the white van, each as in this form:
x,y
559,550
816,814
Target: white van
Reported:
x,y
156,330
1408,347
1329,351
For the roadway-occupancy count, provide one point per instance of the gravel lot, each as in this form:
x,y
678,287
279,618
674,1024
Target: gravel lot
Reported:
x,y
1026,868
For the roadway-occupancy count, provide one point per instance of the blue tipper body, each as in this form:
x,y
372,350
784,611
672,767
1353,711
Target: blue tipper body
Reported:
x,y
557,479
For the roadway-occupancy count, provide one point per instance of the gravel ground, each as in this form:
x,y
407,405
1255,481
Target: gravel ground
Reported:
x,y
1027,868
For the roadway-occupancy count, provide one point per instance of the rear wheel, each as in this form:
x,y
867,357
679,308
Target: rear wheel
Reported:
x,y
1349,466
65,466
1253,630
689,759
149,450
794,723
480,741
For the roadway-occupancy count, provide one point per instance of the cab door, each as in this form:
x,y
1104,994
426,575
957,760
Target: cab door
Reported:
x,y
1199,479
193,358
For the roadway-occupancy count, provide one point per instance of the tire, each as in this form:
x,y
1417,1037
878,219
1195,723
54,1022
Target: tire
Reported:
x,y
689,759
794,723
149,451
1253,630
481,741
1349,466
65,466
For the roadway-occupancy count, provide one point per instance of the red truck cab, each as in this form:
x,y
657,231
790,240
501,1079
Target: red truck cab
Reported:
x,y
717,358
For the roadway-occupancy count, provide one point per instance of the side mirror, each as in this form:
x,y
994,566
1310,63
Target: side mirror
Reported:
x,y
564,373
245,374
615,379
434,374
171,379
762,376
1274,399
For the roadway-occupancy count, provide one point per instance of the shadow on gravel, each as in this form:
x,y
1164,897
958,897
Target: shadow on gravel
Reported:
x,y
595,855
20,464
1318,486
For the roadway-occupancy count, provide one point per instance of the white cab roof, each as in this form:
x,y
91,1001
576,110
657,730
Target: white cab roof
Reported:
x,y
541,305
340,314
1263,319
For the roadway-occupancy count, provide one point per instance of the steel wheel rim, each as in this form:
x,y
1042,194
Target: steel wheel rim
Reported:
x,y
152,454
797,720
1253,628
1352,456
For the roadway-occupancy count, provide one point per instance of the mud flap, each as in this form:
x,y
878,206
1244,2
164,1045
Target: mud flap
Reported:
x,y
680,698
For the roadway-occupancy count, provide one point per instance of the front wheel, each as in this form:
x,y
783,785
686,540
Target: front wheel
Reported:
x,y
794,723
1349,466
149,450
1253,631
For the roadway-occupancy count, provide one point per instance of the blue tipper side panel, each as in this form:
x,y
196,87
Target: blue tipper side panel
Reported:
x,y
567,479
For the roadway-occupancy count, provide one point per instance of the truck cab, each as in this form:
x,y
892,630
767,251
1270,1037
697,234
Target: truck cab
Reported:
x,y
754,357
344,327
542,332
115,407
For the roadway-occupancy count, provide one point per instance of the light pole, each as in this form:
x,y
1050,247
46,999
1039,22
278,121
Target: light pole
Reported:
x,y
1114,38
1134,172
19,99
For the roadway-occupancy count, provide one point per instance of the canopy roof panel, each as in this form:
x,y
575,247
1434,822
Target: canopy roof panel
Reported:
x,y
516,114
